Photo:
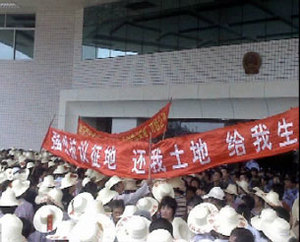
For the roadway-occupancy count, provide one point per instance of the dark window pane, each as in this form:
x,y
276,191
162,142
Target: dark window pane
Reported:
x,y
20,20
24,44
2,17
6,44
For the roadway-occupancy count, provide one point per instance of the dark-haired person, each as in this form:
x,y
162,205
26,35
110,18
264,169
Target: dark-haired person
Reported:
x,y
290,191
161,223
167,208
241,235
117,209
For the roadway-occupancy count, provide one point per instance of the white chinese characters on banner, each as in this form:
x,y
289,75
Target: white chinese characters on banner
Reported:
x,y
65,145
200,152
235,143
286,133
72,149
56,141
157,161
262,136
95,155
139,162
177,154
83,147
110,157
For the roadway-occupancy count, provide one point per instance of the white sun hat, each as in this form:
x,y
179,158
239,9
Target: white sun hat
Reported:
x,y
60,169
177,182
48,181
215,192
85,181
63,230
69,180
19,186
30,165
29,154
55,196
129,210
22,174
42,196
46,218
231,189
272,198
50,164
267,215
93,229
181,229
258,192
89,172
79,204
132,228
112,181
226,220
97,176
197,219
278,230
244,185
105,195
162,189
149,204
160,235
11,228
8,198
9,174
95,207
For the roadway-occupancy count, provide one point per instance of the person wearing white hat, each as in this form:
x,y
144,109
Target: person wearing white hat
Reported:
x,y
63,230
231,195
11,229
116,184
149,204
161,189
8,202
181,230
79,204
272,199
117,210
160,235
215,196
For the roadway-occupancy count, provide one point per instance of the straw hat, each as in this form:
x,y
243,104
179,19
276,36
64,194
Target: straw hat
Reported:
x,y
95,207
11,228
130,184
60,169
93,229
160,235
19,186
48,181
105,195
295,210
112,181
129,210
30,165
258,192
267,215
8,198
97,176
177,182
197,219
46,218
162,189
278,230
244,185
63,230
226,220
29,154
272,198
9,174
55,196
89,173
181,229
79,204
85,181
69,180
147,203
50,164
231,189
132,228
215,192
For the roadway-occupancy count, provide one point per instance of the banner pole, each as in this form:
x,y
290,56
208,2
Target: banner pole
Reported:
x,y
150,146
50,124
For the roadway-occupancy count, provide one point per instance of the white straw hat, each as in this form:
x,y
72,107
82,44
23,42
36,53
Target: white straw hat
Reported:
x,y
93,229
112,181
197,219
160,235
181,229
105,195
46,218
79,204
129,210
63,230
272,198
149,204
278,230
162,189
95,207
97,176
226,220
85,181
69,180
132,228
215,192
89,172
177,182
42,196
11,228
19,186
30,165
244,185
8,198
55,196
231,189
61,169
48,181
267,215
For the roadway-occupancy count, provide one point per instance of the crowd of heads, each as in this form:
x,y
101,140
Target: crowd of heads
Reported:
x,y
44,198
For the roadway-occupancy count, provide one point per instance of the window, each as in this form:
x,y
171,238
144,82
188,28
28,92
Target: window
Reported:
x,y
17,36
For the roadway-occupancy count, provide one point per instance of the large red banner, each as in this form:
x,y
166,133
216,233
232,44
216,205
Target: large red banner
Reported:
x,y
179,155
154,127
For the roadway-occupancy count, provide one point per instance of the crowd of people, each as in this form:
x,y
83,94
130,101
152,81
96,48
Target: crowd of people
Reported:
x,y
44,198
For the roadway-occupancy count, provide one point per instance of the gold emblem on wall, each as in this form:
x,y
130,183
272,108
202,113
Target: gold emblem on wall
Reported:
x,y
251,62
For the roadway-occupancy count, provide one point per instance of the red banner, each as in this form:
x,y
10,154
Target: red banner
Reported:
x,y
180,155
156,125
